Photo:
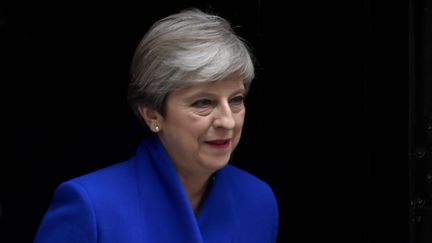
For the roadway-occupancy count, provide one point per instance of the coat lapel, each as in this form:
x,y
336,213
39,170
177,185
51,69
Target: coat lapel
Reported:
x,y
217,220
166,213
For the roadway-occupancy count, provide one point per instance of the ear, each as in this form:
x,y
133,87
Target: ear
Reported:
x,y
150,116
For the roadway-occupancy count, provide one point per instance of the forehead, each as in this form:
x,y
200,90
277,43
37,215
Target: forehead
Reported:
x,y
216,87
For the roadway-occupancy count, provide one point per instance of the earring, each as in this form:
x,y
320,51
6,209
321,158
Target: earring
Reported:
x,y
156,129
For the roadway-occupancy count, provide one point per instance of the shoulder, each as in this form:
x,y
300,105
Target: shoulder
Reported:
x,y
107,174
103,185
256,199
71,205
249,186
78,208
245,179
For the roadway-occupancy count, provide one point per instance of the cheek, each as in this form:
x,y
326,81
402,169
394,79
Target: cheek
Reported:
x,y
197,126
239,120
238,130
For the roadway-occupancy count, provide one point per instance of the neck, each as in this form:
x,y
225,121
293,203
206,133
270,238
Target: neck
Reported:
x,y
196,189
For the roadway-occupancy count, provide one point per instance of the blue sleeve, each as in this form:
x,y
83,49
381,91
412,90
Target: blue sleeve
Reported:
x,y
275,217
70,217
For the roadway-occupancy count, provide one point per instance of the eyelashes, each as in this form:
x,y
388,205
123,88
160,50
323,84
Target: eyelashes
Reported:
x,y
208,103
202,103
237,100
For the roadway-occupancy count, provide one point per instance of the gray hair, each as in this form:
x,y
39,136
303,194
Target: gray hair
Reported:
x,y
183,49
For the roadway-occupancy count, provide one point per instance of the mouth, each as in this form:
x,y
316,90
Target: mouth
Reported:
x,y
219,143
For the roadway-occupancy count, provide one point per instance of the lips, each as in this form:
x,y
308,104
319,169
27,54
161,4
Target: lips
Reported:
x,y
219,143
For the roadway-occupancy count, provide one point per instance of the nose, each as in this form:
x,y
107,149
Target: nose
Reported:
x,y
224,117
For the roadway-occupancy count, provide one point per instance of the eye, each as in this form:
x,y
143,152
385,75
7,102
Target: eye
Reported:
x,y
237,100
202,103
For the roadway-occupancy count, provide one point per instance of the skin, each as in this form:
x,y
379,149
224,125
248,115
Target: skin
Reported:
x,y
201,128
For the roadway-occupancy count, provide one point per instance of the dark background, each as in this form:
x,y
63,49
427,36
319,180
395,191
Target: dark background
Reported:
x,y
326,127
420,121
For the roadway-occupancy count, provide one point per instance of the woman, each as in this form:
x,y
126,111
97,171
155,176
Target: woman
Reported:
x,y
189,78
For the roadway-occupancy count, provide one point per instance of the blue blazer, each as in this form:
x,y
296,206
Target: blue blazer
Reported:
x,y
142,200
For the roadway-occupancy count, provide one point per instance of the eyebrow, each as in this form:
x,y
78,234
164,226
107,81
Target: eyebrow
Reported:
x,y
207,93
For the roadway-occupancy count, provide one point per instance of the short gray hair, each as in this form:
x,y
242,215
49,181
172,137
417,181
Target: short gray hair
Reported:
x,y
182,49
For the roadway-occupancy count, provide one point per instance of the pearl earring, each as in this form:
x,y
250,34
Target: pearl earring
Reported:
x,y
156,129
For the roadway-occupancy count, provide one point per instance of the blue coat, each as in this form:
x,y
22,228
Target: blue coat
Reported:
x,y
142,200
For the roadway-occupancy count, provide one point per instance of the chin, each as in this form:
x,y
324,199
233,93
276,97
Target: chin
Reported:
x,y
217,164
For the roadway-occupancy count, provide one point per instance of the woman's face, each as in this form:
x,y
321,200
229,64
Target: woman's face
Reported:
x,y
203,125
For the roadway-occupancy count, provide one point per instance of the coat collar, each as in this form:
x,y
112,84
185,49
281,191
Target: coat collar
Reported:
x,y
165,204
